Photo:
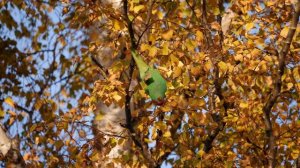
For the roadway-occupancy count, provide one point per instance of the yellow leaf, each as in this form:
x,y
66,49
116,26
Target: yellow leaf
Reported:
x,y
177,72
260,42
215,25
152,51
231,84
165,50
284,32
263,66
169,73
268,58
289,86
82,133
249,26
26,156
236,43
68,142
208,65
191,45
10,102
147,140
136,9
199,36
295,153
234,119
201,102
296,73
180,64
144,47
99,117
186,80
92,48
167,134
223,67
160,68
37,140
62,41
94,156
2,113
244,105
240,128
117,25
270,3
142,91
13,114
166,108
255,53
11,120
298,86
201,153
160,15
131,17
195,71
168,35
268,80
140,127
117,97
216,11
161,153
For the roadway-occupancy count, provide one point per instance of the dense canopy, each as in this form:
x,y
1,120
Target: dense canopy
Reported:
x,y
71,93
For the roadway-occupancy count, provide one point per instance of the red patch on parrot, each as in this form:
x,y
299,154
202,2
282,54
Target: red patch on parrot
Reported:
x,y
159,102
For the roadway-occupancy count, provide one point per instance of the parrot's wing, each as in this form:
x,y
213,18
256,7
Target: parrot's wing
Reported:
x,y
156,85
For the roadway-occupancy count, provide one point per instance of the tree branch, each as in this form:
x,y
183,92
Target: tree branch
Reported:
x,y
20,107
217,84
137,141
176,126
270,139
103,72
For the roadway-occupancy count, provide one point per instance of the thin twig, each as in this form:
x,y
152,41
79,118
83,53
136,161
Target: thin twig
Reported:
x,y
103,72
148,24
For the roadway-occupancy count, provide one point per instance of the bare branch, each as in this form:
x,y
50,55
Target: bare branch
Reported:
x,y
39,51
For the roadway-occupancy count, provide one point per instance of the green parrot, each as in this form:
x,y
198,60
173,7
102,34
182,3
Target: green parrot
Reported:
x,y
156,84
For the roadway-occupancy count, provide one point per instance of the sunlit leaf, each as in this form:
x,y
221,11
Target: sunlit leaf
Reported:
x,y
137,8
168,34
284,32
9,101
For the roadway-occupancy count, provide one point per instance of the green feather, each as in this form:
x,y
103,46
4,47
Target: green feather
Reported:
x,y
156,84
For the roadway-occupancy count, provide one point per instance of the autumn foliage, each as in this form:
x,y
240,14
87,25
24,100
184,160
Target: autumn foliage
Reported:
x,y
233,83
